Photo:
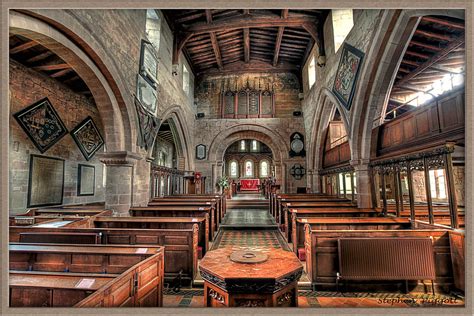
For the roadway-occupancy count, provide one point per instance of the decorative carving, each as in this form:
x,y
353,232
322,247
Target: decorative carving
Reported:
x,y
249,303
219,298
87,137
347,168
297,171
42,124
282,299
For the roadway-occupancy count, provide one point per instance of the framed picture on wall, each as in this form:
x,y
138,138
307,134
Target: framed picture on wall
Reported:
x,y
87,137
200,152
346,74
85,180
148,63
42,124
46,181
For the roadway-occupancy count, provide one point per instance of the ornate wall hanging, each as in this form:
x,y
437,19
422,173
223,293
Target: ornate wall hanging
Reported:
x,y
149,126
346,74
297,171
87,137
200,152
42,124
46,181
297,145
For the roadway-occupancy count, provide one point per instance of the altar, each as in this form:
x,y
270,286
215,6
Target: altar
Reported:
x,y
249,184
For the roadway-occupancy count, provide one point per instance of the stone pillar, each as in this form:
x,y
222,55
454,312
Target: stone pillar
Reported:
x,y
363,178
119,184
314,181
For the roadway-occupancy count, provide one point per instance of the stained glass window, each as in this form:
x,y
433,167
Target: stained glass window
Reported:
x,y
233,169
248,168
242,145
264,168
254,145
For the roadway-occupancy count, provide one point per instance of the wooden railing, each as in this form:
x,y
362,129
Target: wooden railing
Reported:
x,y
337,155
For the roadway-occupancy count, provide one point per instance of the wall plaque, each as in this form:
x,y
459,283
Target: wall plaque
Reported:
x,y
297,171
201,152
46,181
148,63
42,124
146,94
87,137
85,180
149,126
346,74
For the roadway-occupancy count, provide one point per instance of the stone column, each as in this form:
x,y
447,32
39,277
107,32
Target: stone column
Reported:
x,y
314,180
363,178
119,183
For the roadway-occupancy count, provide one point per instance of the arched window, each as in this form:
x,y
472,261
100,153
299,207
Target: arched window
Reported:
x,y
153,27
242,145
249,168
264,168
233,169
254,145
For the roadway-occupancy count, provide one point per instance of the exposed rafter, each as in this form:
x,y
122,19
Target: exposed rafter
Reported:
x,y
23,47
215,44
246,44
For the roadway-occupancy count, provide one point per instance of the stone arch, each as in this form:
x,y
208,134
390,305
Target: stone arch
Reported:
x,y
182,137
265,135
104,81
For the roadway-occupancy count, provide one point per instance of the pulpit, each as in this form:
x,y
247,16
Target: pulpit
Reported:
x,y
246,278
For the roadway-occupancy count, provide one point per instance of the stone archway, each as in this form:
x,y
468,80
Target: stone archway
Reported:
x,y
270,138
118,128
328,106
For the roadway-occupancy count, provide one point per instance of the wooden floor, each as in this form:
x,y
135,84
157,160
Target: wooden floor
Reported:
x,y
254,227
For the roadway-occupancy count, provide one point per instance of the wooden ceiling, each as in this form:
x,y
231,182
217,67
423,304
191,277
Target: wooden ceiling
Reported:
x,y
230,41
165,132
437,48
37,57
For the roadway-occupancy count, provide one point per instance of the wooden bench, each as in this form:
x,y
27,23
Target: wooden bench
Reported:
x,y
340,223
41,219
65,237
284,206
73,258
321,212
181,245
178,211
141,285
159,223
276,199
380,259
222,201
322,257
67,212
189,202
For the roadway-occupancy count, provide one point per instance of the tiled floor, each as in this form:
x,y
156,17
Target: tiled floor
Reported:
x,y
253,217
195,298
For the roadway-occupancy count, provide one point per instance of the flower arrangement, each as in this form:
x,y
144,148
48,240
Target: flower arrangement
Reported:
x,y
223,182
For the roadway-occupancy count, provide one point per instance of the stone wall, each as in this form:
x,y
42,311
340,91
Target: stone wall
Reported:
x,y
27,87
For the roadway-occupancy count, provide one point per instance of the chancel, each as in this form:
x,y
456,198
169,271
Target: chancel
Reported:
x,y
255,158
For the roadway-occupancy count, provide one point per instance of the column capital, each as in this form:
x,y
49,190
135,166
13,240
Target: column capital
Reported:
x,y
361,163
121,158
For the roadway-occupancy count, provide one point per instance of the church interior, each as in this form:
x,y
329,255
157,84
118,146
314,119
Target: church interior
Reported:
x,y
310,158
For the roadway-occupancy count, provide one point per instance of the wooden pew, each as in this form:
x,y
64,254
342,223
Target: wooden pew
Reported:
x,y
284,206
181,245
81,259
158,223
178,211
322,212
276,199
36,220
189,203
67,212
141,285
222,201
457,246
322,254
64,237
340,223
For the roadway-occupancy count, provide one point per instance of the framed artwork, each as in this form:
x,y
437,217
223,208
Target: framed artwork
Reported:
x,y
201,152
42,124
149,126
87,137
148,63
85,180
45,181
346,74
146,94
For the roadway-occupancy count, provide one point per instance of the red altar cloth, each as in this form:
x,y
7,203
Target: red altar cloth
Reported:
x,y
249,184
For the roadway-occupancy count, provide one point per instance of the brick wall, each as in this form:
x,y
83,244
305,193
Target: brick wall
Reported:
x,y
27,87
